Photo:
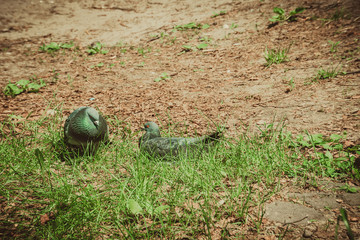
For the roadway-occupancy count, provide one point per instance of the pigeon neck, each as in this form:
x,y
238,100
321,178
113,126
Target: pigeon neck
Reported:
x,y
150,135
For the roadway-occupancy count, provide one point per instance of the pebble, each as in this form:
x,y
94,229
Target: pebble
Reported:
x,y
307,233
50,112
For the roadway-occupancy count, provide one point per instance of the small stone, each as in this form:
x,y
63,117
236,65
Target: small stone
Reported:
x,y
51,112
307,233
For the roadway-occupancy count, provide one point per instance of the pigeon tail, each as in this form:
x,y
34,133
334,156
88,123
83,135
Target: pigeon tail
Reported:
x,y
215,136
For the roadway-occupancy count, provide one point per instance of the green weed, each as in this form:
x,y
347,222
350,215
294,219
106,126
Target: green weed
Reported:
x,y
186,48
276,55
164,76
349,189
53,47
162,36
333,46
191,25
324,151
338,14
142,64
218,14
331,72
343,216
205,39
96,48
31,85
281,16
291,84
202,46
234,25
55,76
143,51
99,65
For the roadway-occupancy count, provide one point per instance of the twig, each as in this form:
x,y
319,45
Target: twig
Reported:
x,y
115,8
296,220
358,71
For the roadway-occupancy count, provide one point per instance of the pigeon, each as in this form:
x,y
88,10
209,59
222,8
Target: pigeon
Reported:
x,y
165,147
85,127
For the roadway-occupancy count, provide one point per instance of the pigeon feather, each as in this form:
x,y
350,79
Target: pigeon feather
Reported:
x,y
157,146
85,126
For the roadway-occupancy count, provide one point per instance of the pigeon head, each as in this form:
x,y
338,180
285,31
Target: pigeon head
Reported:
x,y
151,131
151,127
93,116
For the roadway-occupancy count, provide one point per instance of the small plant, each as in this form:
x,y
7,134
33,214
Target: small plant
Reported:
x,y
97,48
326,73
328,152
227,35
218,14
333,46
142,51
186,48
173,40
56,75
276,55
349,189
281,16
99,65
205,39
53,47
202,46
32,85
343,216
338,14
318,140
142,64
291,85
234,25
191,25
163,76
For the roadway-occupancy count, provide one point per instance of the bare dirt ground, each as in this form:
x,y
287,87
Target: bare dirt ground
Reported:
x,y
227,82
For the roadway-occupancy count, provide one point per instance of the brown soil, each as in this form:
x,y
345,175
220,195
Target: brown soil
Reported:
x,y
227,82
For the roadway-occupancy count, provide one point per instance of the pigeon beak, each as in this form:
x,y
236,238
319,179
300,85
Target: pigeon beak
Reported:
x,y
96,123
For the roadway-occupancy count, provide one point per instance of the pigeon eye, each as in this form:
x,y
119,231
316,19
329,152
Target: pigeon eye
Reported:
x,y
147,126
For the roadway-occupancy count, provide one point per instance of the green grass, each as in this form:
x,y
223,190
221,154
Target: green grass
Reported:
x,y
281,16
190,26
53,47
333,46
48,192
276,55
218,14
322,73
163,76
96,48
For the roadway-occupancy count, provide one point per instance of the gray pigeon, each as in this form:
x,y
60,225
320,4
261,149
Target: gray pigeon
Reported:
x,y
164,147
84,127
